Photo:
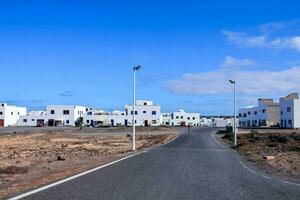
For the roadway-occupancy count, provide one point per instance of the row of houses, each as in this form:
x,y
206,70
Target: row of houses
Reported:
x,y
284,114
146,114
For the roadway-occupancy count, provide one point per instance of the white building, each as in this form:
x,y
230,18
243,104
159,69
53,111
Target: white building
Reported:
x,y
181,118
290,111
33,118
65,115
9,115
206,122
266,113
104,118
146,113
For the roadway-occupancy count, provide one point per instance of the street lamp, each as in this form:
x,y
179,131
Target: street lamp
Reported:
x,y
234,110
136,68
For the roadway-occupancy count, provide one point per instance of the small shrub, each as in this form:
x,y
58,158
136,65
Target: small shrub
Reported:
x,y
254,134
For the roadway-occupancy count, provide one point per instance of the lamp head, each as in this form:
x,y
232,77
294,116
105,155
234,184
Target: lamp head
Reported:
x,y
231,81
136,68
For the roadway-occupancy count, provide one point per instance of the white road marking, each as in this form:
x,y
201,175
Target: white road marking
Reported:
x,y
212,135
70,178
78,175
252,171
288,182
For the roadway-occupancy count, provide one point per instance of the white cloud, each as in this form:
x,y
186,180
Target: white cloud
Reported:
x,y
244,40
248,82
231,62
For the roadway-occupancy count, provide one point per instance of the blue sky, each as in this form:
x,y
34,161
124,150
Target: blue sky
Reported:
x,y
74,52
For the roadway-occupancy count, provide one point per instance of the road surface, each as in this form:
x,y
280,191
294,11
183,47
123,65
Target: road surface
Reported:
x,y
193,166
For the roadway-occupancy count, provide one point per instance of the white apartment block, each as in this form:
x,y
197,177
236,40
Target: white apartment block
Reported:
x,y
146,113
9,115
181,118
65,115
266,113
33,118
290,111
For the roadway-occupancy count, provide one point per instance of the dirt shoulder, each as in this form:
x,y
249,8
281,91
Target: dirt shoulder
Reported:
x,y
31,159
283,149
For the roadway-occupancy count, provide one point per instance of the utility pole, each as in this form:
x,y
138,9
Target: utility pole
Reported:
x,y
234,110
133,108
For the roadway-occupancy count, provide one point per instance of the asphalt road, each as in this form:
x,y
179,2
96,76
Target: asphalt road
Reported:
x,y
194,166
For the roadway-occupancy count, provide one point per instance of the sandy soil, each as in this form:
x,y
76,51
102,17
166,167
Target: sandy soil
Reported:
x,y
29,160
284,146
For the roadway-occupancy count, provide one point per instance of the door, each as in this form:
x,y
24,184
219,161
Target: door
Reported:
x,y
1,122
146,123
112,122
126,122
40,123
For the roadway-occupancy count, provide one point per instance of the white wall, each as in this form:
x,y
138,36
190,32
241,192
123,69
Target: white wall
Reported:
x,y
11,114
75,112
289,119
184,118
297,113
148,113
32,118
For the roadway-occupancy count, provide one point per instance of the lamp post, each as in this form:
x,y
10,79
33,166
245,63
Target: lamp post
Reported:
x,y
234,110
136,68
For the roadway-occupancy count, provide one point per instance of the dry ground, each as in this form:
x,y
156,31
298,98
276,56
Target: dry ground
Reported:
x,y
285,146
28,160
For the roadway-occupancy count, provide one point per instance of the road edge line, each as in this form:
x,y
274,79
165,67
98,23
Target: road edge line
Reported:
x,y
29,193
212,135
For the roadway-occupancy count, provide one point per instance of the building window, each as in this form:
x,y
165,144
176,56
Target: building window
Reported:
x,y
2,105
145,103
289,121
18,113
188,118
12,113
245,115
194,118
32,120
136,112
122,114
87,121
86,109
67,121
153,121
154,112
24,120
249,113
281,112
288,109
181,117
177,117
52,112
263,110
255,112
1,113
144,112
66,112
240,114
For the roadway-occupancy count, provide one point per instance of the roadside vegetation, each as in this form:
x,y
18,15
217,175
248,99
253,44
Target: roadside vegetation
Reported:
x,y
277,153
